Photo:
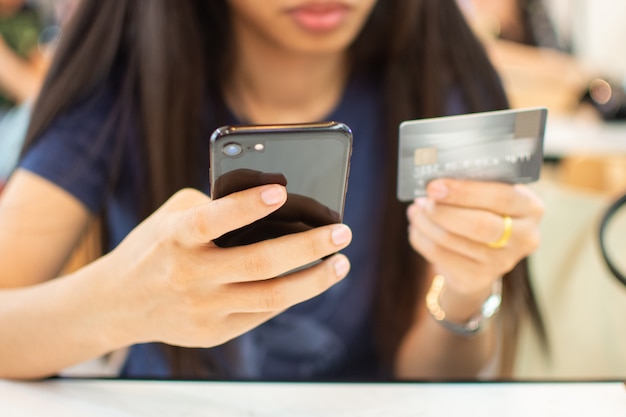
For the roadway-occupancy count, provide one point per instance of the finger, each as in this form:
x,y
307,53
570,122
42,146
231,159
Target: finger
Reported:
x,y
203,223
184,199
421,223
466,271
271,258
501,198
230,326
283,292
236,324
480,226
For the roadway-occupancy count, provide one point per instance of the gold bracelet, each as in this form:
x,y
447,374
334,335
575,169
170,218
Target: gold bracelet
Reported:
x,y
477,322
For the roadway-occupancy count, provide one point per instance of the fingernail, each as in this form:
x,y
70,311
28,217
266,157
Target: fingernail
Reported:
x,y
437,190
342,266
273,195
340,235
422,202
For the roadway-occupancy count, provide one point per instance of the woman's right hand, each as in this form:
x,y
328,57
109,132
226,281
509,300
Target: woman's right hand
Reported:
x,y
174,285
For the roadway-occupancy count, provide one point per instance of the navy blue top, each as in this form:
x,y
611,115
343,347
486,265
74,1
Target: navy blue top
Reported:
x,y
328,337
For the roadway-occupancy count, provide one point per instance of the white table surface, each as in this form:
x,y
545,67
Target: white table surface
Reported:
x,y
116,398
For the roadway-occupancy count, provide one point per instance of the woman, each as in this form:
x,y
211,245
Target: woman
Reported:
x,y
123,124
521,21
522,45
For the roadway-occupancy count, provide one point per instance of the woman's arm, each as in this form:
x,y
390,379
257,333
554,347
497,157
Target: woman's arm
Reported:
x,y
451,228
432,352
165,282
41,224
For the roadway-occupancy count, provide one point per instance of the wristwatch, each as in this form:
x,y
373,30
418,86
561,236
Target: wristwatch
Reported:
x,y
477,322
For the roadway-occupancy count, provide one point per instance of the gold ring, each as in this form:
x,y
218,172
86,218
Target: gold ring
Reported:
x,y
506,234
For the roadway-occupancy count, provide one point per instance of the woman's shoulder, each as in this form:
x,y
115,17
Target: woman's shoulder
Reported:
x,y
80,148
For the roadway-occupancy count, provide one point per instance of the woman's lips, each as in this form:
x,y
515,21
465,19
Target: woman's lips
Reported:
x,y
320,17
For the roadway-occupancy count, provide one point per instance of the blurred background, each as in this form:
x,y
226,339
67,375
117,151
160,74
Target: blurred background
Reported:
x,y
566,55
29,31
569,56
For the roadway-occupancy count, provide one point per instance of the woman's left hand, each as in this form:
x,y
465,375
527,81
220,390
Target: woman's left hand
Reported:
x,y
454,225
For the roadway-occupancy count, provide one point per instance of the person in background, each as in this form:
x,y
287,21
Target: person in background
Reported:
x,y
28,33
22,65
535,67
522,21
121,131
22,68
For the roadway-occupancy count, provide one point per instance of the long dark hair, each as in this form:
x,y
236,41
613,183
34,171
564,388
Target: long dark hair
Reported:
x,y
166,57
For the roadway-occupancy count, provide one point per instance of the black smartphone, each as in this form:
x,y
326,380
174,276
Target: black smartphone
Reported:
x,y
312,160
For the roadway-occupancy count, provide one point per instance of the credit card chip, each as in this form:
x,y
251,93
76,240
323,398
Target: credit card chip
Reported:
x,y
425,156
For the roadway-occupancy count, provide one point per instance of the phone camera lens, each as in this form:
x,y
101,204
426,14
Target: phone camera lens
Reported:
x,y
232,149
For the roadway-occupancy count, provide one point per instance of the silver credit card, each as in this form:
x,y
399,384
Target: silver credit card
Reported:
x,y
505,145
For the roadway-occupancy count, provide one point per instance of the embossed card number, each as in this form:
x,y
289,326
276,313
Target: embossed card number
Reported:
x,y
502,146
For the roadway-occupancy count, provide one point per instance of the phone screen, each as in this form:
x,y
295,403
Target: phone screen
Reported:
x,y
311,160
